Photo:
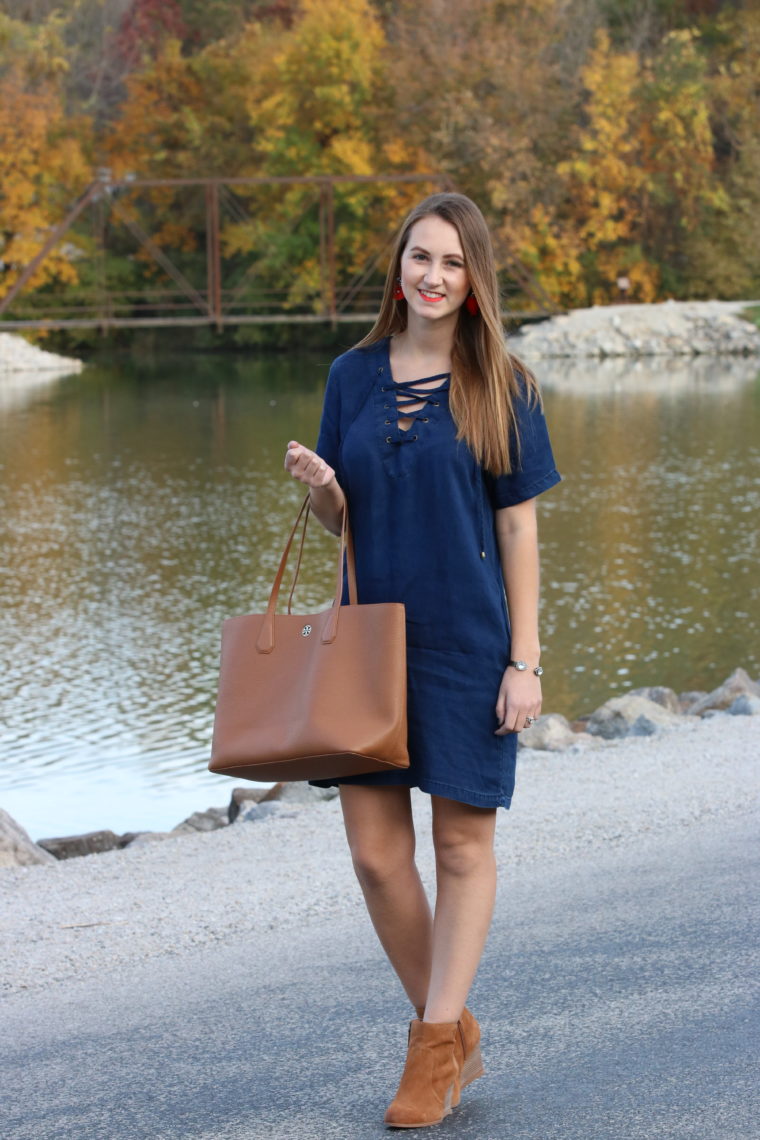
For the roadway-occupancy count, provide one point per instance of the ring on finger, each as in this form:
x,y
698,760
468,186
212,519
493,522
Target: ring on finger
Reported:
x,y
530,720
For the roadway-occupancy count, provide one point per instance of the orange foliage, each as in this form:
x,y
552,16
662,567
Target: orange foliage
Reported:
x,y
42,168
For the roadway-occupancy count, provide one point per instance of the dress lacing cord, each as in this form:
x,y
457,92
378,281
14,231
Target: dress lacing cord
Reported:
x,y
409,393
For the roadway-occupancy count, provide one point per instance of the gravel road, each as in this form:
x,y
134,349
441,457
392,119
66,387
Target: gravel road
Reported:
x,y
83,917
228,985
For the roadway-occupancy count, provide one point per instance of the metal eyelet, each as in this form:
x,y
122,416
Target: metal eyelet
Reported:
x,y
388,421
425,420
415,437
385,407
388,439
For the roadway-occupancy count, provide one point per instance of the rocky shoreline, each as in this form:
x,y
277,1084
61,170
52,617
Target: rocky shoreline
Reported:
x,y
669,328
672,328
18,355
642,712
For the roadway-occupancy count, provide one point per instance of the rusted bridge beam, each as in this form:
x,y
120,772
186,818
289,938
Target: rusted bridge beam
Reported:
x,y
89,195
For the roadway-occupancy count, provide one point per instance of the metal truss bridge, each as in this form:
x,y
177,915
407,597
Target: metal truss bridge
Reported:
x,y
180,286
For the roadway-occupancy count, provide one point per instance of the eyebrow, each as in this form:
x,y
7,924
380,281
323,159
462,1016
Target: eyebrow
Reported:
x,y
422,249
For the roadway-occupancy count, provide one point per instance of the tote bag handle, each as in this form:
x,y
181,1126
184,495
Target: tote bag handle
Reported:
x,y
265,642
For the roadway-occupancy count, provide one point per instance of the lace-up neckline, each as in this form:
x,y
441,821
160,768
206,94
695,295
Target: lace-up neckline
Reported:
x,y
410,393
412,402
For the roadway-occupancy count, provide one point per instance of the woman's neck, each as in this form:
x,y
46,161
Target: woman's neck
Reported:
x,y
426,340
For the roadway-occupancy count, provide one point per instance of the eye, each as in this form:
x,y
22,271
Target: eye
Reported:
x,y
456,264
419,257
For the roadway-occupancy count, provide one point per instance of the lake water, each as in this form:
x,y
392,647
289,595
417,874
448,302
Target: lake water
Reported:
x,y
143,502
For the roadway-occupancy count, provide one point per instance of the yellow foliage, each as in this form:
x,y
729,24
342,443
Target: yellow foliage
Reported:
x,y
324,92
640,176
42,168
552,254
34,53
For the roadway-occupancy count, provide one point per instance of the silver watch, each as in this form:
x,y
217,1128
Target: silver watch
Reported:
x,y
521,666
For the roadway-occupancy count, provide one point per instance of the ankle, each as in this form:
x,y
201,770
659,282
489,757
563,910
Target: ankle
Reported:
x,y
442,1014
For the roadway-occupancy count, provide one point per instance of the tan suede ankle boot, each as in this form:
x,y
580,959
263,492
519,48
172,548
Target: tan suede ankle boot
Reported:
x,y
470,1059
468,1056
430,1076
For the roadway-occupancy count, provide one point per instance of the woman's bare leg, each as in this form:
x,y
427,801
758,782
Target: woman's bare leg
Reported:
x,y
380,832
466,879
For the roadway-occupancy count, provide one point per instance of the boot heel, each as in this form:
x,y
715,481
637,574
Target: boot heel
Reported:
x,y
472,1068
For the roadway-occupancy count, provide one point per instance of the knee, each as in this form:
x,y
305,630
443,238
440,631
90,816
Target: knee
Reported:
x,y
376,865
460,855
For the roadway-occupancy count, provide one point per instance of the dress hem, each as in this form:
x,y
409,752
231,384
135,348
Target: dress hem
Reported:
x,y
430,787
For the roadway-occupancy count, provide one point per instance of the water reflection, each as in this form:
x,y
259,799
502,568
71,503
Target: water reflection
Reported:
x,y
661,376
142,505
17,389
657,515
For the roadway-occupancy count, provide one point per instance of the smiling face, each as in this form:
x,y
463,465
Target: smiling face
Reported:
x,y
433,274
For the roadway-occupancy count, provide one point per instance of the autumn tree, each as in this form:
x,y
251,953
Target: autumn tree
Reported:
x,y
43,162
607,186
328,108
723,252
639,179
600,138
489,91
305,97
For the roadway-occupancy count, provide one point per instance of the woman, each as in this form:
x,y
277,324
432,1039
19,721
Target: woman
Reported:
x,y
435,435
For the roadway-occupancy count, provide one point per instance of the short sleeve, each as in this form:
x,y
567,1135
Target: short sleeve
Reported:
x,y
533,469
328,441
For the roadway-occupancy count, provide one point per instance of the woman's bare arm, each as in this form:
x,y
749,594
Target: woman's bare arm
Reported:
x,y
517,535
327,498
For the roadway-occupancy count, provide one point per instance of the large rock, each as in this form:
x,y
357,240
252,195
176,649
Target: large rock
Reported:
x,y
737,685
689,699
16,847
550,733
630,716
243,796
209,820
661,695
91,843
252,812
144,838
745,705
298,792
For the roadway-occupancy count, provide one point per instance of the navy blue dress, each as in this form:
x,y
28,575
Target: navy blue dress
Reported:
x,y
422,515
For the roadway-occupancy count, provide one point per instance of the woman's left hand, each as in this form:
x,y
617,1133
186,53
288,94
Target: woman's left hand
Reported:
x,y
519,698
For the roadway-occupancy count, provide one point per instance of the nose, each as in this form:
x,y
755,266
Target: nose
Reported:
x,y
433,274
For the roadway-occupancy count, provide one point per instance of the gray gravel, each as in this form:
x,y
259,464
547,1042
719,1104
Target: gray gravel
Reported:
x,y
86,918
18,355
632,330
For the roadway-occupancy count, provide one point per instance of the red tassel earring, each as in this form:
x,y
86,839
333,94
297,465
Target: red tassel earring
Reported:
x,y
398,292
472,306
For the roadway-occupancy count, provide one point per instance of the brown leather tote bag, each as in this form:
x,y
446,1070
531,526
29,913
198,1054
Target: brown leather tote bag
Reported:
x,y
312,697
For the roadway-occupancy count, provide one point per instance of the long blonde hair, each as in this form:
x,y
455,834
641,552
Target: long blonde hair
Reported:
x,y
484,385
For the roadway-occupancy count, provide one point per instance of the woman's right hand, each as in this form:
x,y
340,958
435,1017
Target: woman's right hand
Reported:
x,y
306,466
